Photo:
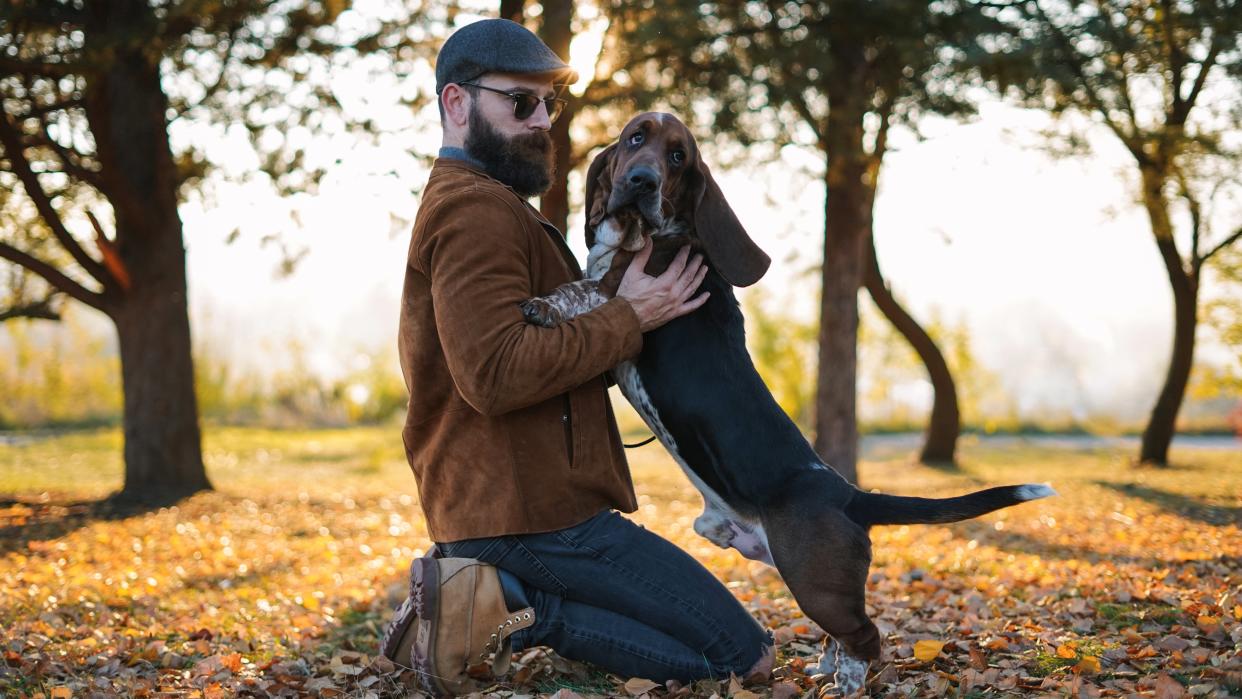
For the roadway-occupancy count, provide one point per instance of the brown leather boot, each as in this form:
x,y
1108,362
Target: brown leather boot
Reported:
x,y
461,620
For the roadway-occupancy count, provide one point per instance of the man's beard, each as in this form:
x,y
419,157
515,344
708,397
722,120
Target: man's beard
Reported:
x,y
524,162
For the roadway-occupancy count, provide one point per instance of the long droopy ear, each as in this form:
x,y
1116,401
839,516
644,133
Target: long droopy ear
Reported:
x,y
730,250
598,189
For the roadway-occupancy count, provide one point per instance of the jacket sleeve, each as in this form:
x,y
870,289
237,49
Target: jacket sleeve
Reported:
x,y
478,258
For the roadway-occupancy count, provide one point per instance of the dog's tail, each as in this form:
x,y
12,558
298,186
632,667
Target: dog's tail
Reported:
x,y
877,508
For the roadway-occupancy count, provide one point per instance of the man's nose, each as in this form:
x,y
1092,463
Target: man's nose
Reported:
x,y
539,119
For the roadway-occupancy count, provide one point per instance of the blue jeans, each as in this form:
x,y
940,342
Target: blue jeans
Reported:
x,y
611,593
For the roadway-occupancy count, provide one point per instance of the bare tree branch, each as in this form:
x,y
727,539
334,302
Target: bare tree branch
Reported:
x,y
224,54
1075,64
1196,220
1205,67
1233,238
41,309
34,68
38,111
13,147
70,159
53,276
1177,60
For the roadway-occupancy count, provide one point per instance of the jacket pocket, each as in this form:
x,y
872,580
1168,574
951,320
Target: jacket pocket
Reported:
x,y
590,424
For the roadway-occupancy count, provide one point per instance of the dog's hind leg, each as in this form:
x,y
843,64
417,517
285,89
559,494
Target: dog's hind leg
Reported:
x,y
824,557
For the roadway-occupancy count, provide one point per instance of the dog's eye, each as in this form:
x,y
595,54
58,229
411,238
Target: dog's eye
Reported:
x,y
677,157
636,139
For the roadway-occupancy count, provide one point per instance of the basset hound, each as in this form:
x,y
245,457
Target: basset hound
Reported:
x,y
766,492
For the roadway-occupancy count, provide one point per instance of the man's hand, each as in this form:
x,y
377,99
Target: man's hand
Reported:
x,y
657,300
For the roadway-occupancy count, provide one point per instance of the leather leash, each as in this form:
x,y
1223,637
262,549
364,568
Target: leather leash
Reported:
x,y
646,441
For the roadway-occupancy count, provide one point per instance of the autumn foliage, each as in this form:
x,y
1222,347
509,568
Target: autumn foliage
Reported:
x,y
1126,585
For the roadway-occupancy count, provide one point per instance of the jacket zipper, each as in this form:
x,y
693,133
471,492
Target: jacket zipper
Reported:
x,y
567,424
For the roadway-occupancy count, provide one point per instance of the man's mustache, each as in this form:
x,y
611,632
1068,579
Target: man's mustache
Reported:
x,y
540,142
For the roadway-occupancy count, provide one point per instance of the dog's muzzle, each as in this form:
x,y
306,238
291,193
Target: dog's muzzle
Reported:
x,y
640,187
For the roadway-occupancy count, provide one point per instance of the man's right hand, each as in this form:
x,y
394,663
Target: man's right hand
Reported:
x,y
657,300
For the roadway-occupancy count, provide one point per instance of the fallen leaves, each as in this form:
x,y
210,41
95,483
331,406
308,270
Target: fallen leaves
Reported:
x,y
282,594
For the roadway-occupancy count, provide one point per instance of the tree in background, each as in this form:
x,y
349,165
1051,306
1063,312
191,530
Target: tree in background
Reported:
x,y
1163,77
89,93
590,120
836,76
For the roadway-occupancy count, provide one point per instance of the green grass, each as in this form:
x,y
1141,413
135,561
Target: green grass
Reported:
x,y
1046,663
238,459
1122,615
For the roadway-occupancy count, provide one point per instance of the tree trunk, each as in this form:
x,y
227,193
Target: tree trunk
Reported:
x,y
1162,423
944,424
163,454
556,30
845,231
512,9
126,108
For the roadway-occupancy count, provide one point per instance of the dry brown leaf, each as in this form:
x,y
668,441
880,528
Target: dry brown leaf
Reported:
x,y
1168,688
637,686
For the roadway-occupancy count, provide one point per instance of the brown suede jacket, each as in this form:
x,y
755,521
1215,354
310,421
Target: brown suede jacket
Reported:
x,y
509,428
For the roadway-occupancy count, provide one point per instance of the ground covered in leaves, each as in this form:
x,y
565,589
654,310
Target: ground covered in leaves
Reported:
x,y
278,583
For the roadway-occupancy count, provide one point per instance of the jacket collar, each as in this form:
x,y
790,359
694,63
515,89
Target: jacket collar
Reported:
x,y
450,161
474,167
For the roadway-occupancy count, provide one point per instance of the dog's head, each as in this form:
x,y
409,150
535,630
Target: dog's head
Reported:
x,y
653,180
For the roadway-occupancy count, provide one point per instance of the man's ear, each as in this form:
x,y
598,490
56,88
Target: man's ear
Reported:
x,y
729,249
455,100
598,189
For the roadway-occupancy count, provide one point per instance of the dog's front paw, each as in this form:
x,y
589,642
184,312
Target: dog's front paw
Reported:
x,y
540,312
851,672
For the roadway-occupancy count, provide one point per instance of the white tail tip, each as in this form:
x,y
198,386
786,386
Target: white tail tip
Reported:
x,y
1032,491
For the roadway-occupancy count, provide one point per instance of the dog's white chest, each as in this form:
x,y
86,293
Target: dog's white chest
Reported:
x,y
719,523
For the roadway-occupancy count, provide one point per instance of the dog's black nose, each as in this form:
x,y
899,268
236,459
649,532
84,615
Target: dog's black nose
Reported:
x,y
643,178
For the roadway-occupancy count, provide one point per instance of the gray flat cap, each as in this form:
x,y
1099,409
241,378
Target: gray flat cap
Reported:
x,y
496,46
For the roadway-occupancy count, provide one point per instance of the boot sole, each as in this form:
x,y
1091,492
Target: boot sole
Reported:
x,y
417,612
398,640
425,577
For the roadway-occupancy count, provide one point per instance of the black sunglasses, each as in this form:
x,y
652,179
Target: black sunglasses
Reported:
x,y
525,103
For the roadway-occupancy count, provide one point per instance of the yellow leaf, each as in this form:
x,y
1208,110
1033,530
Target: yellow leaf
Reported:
x,y
1066,651
927,650
1089,665
1206,623
62,693
1237,612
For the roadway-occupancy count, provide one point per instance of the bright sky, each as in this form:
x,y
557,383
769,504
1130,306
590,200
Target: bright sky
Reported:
x,y
1049,262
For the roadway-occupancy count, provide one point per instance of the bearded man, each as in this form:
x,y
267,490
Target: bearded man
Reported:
x,y
510,433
